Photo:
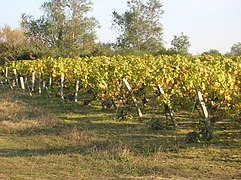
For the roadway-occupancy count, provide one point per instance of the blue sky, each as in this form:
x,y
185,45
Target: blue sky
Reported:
x,y
210,24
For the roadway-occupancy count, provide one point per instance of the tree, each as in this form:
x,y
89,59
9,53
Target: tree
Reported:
x,y
12,42
213,52
236,49
181,43
140,27
64,26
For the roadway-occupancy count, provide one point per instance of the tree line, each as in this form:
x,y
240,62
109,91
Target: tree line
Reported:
x,y
65,30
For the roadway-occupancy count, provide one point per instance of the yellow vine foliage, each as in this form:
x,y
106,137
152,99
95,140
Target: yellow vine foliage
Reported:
x,y
218,77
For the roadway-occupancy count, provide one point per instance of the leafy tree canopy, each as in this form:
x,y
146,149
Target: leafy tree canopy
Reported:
x,y
212,52
11,43
236,49
140,27
64,26
181,43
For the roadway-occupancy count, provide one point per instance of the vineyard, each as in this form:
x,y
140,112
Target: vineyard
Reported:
x,y
219,78
121,117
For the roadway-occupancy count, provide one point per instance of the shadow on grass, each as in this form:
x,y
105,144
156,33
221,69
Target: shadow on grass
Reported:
x,y
122,145
50,151
131,133
87,149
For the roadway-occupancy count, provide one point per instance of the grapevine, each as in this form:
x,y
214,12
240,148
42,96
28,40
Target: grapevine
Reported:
x,y
219,77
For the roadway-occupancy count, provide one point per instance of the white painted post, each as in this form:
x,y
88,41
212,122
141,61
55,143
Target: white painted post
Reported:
x,y
76,91
7,80
202,104
16,76
33,80
22,83
39,83
62,89
2,84
168,108
133,97
6,75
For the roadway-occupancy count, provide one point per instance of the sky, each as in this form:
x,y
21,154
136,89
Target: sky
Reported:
x,y
209,24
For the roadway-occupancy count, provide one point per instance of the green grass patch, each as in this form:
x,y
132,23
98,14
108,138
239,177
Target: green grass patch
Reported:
x,y
40,140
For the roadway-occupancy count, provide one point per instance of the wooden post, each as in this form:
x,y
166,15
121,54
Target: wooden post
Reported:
x,y
33,80
44,84
16,77
2,84
76,92
6,75
202,104
27,85
193,108
133,97
7,80
168,108
46,88
160,90
39,83
50,81
205,132
62,90
22,83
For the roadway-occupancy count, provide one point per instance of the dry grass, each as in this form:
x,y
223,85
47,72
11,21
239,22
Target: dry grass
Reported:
x,y
40,141
16,114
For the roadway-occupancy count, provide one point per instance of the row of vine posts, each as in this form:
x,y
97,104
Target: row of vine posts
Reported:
x,y
205,133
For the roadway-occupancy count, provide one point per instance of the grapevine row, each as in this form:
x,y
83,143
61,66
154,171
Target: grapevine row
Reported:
x,y
218,77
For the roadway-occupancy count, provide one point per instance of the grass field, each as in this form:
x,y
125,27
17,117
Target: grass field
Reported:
x,y
40,141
